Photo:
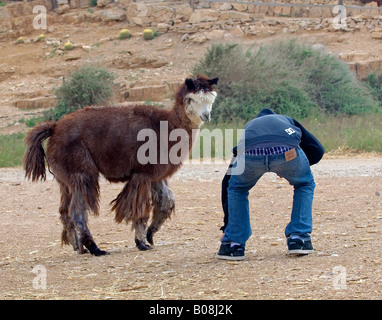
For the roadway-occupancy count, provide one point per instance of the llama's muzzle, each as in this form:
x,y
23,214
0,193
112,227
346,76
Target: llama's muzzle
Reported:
x,y
205,116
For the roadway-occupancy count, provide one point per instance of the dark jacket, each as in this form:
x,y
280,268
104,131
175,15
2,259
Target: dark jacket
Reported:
x,y
271,127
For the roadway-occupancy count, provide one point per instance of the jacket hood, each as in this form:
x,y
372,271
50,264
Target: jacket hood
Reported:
x,y
265,112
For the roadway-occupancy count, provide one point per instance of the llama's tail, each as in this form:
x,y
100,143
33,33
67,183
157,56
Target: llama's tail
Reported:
x,y
134,201
34,156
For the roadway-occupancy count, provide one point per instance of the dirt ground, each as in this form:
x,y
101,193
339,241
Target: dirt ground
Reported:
x,y
346,263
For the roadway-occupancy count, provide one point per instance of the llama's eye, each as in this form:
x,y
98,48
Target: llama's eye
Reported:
x,y
189,100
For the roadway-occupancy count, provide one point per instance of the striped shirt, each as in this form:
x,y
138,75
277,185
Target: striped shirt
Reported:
x,y
267,151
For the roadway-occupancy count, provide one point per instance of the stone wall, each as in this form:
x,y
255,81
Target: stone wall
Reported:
x,y
177,16
17,18
296,8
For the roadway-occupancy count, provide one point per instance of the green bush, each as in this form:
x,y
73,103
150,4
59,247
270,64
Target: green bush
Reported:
x,y
374,82
85,87
286,76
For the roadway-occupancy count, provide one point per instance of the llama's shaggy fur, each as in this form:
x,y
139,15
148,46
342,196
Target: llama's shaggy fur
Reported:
x,y
103,140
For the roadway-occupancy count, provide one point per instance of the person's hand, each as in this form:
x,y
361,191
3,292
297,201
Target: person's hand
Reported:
x,y
221,237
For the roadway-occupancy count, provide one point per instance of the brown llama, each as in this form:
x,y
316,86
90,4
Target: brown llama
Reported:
x,y
108,141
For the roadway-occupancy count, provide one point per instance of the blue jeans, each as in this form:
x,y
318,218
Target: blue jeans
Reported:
x,y
297,172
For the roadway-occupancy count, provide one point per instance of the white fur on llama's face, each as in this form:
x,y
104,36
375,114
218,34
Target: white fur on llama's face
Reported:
x,y
199,104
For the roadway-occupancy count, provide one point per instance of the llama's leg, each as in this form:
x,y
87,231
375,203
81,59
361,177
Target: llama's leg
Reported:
x,y
164,205
134,204
68,235
78,212
140,227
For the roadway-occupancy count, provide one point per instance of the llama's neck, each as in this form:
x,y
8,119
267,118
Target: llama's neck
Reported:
x,y
178,119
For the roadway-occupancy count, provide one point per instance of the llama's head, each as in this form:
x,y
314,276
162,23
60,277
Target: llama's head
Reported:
x,y
198,97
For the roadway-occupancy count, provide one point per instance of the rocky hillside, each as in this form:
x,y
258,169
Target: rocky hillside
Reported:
x,y
150,70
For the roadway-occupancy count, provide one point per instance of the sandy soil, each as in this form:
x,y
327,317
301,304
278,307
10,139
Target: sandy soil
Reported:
x,y
346,263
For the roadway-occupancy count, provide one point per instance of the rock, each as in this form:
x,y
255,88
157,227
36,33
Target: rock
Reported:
x,y
163,27
363,69
153,93
83,3
242,16
115,14
357,56
140,21
72,57
102,3
371,4
240,7
87,48
315,12
376,35
237,32
199,38
204,16
215,35
277,11
27,8
185,37
6,71
73,4
183,12
73,18
225,7
4,13
35,103
318,47
162,14
62,9
137,62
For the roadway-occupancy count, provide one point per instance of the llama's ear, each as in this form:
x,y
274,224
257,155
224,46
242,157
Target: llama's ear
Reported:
x,y
190,84
213,81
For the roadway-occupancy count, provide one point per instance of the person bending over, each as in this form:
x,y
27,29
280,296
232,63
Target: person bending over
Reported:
x,y
271,143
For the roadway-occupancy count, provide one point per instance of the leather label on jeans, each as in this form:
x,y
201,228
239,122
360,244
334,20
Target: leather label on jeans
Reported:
x,y
290,155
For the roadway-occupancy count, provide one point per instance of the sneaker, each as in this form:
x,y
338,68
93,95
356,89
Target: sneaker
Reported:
x,y
298,246
226,252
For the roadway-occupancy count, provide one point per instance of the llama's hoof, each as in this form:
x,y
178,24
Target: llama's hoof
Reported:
x,y
99,252
95,251
149,236
142,246
83,251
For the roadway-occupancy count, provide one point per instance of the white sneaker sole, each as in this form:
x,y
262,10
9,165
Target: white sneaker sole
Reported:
x,y
297,252
232,258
